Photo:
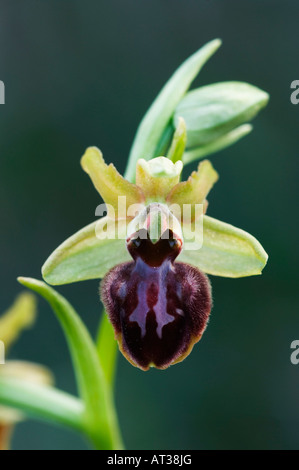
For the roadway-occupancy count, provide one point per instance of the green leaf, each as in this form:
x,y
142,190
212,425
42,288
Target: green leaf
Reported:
x,y
99,415
212,111
216,145
159,114
33,373
42,402
226,251
85,256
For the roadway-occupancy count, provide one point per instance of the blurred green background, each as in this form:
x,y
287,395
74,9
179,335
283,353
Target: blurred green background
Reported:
x,y
80,73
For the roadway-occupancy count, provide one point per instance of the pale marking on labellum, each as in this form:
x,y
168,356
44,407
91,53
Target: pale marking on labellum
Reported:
x,y
160,308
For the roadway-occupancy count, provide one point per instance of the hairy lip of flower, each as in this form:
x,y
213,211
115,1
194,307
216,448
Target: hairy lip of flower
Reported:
x,y
159,308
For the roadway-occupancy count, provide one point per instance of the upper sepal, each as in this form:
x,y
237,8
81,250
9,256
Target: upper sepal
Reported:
x,y
157,176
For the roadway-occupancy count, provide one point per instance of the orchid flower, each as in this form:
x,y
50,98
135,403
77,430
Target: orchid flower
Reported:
x,y
155,288
152,255
153,251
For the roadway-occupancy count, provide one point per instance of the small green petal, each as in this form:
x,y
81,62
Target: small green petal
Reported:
x,y
214,110
108,182
20,316
227,251
216,145
179,141
196,188
157,176
87,256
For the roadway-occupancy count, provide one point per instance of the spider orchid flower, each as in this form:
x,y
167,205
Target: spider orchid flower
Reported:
x,y
153,250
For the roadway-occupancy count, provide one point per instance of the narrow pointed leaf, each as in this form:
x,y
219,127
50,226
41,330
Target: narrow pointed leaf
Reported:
x,y
99,410
212,111
42,402
108,182
216,145
227,251
179,141
85,256
160,113
27,372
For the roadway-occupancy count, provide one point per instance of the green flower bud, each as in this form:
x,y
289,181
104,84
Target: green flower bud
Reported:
x,y
213,111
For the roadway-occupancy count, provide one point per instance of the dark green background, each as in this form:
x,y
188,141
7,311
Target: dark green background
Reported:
x,y
81,73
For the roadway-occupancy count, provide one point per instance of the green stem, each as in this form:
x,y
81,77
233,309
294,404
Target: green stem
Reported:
x,y
42,402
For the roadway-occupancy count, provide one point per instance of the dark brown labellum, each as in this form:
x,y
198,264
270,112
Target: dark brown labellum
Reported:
x,y
159,308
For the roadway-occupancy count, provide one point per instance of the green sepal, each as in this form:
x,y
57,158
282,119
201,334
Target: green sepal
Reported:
x,y
84,256
226,251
